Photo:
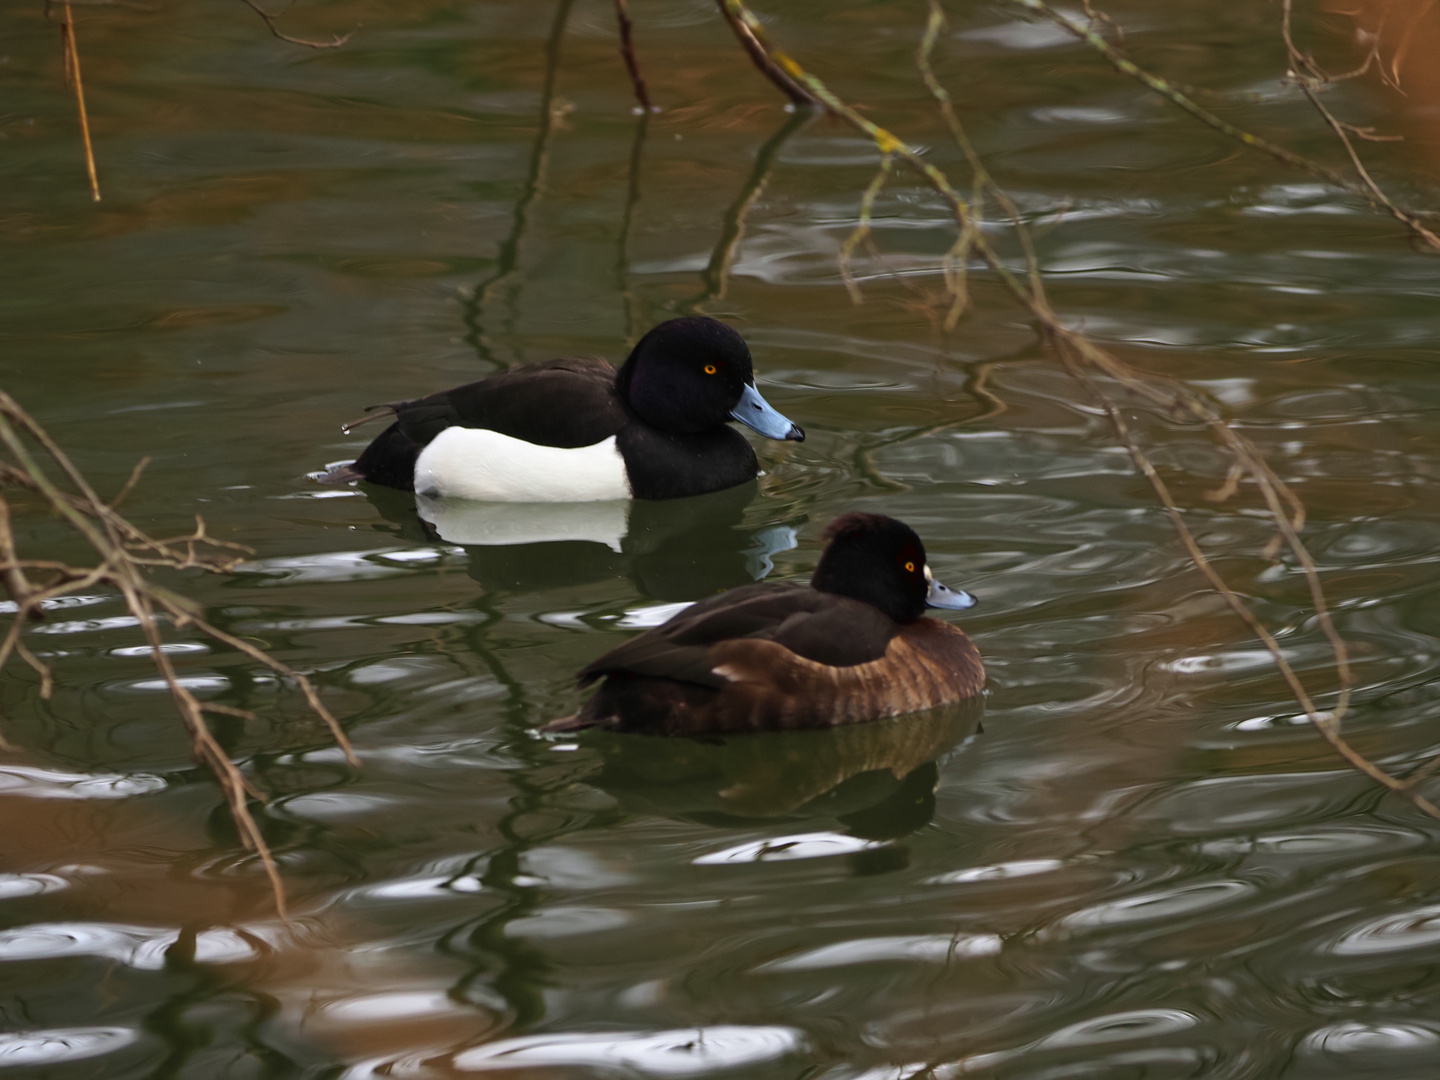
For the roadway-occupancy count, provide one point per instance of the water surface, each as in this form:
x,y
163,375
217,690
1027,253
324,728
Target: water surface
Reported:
x,y
1138,862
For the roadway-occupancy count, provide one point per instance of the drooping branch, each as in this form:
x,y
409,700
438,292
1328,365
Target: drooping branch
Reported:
x,y
1364,187
125,554
1097,370
747,28
1306,74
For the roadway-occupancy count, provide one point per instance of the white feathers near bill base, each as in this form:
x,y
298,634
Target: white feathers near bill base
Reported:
x,y
475,463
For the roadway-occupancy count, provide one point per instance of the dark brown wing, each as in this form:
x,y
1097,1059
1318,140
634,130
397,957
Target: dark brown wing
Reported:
x,y
817,626
767,687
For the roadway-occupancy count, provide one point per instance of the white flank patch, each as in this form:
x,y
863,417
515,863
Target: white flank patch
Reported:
x,y
473,463
460,521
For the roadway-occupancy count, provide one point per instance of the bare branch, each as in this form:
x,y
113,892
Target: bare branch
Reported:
x,y
752,38
334,43
1365,187
627,51
125,552
1094,368
1308,76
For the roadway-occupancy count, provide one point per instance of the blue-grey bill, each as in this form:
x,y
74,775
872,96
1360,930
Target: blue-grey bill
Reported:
x,y
755,412
941,596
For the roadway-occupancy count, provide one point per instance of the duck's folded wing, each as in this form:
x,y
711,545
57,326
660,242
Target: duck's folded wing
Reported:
x,y
562,403
817,626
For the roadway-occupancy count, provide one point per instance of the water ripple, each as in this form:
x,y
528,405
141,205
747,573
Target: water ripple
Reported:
x,y
137,947
782,848
1166,904
40,1048
38,783
1410,930
1355,1037
931,948
684,1052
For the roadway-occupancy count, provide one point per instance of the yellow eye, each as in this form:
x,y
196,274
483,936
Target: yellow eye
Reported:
x,y
709,369
909,567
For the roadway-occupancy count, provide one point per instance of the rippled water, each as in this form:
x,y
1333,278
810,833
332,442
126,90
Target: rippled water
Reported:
x,y
1139,862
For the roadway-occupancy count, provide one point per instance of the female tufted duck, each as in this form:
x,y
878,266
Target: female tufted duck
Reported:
x,y
578,430
850,648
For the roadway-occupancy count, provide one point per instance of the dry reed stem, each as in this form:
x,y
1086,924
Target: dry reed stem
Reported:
x,y
72,76
125,552
1089,363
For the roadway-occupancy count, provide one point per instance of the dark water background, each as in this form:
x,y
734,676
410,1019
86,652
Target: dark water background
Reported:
x,y
1144,866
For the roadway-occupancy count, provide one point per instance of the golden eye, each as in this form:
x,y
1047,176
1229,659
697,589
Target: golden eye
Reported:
x,y
709,369
909,567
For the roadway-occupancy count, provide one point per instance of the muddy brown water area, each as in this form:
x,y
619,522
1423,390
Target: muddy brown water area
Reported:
x,y
1139,863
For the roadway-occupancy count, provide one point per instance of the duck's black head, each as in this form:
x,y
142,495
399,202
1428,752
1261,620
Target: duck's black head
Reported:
x,y
879,560
690,375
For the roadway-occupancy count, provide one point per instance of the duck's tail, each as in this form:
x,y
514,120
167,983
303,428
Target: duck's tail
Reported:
x,y
372,413
342,472
576,722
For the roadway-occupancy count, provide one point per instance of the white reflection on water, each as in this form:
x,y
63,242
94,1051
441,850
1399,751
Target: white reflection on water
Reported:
x,y
1408,930
12,885
142,948
1138,1025
1165,904
935,948
58,603
461,521
645,617
684,1052
997,872
801,846
336,566
50,784
62,1044
396,1005
1354,1037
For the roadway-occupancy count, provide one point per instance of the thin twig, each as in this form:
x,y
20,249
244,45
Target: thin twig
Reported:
x,y
334,43
627,51
1308,76
747,29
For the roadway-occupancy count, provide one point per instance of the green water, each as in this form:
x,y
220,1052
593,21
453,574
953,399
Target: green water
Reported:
x,y
1140,864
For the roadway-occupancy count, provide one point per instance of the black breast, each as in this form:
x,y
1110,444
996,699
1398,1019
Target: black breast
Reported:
x,y
664,465
563,403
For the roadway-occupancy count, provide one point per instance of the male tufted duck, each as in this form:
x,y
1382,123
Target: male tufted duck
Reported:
x,y
578,430
850,648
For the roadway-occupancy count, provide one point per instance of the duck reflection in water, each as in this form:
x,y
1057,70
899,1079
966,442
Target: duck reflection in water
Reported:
x,y
876,780
676,549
